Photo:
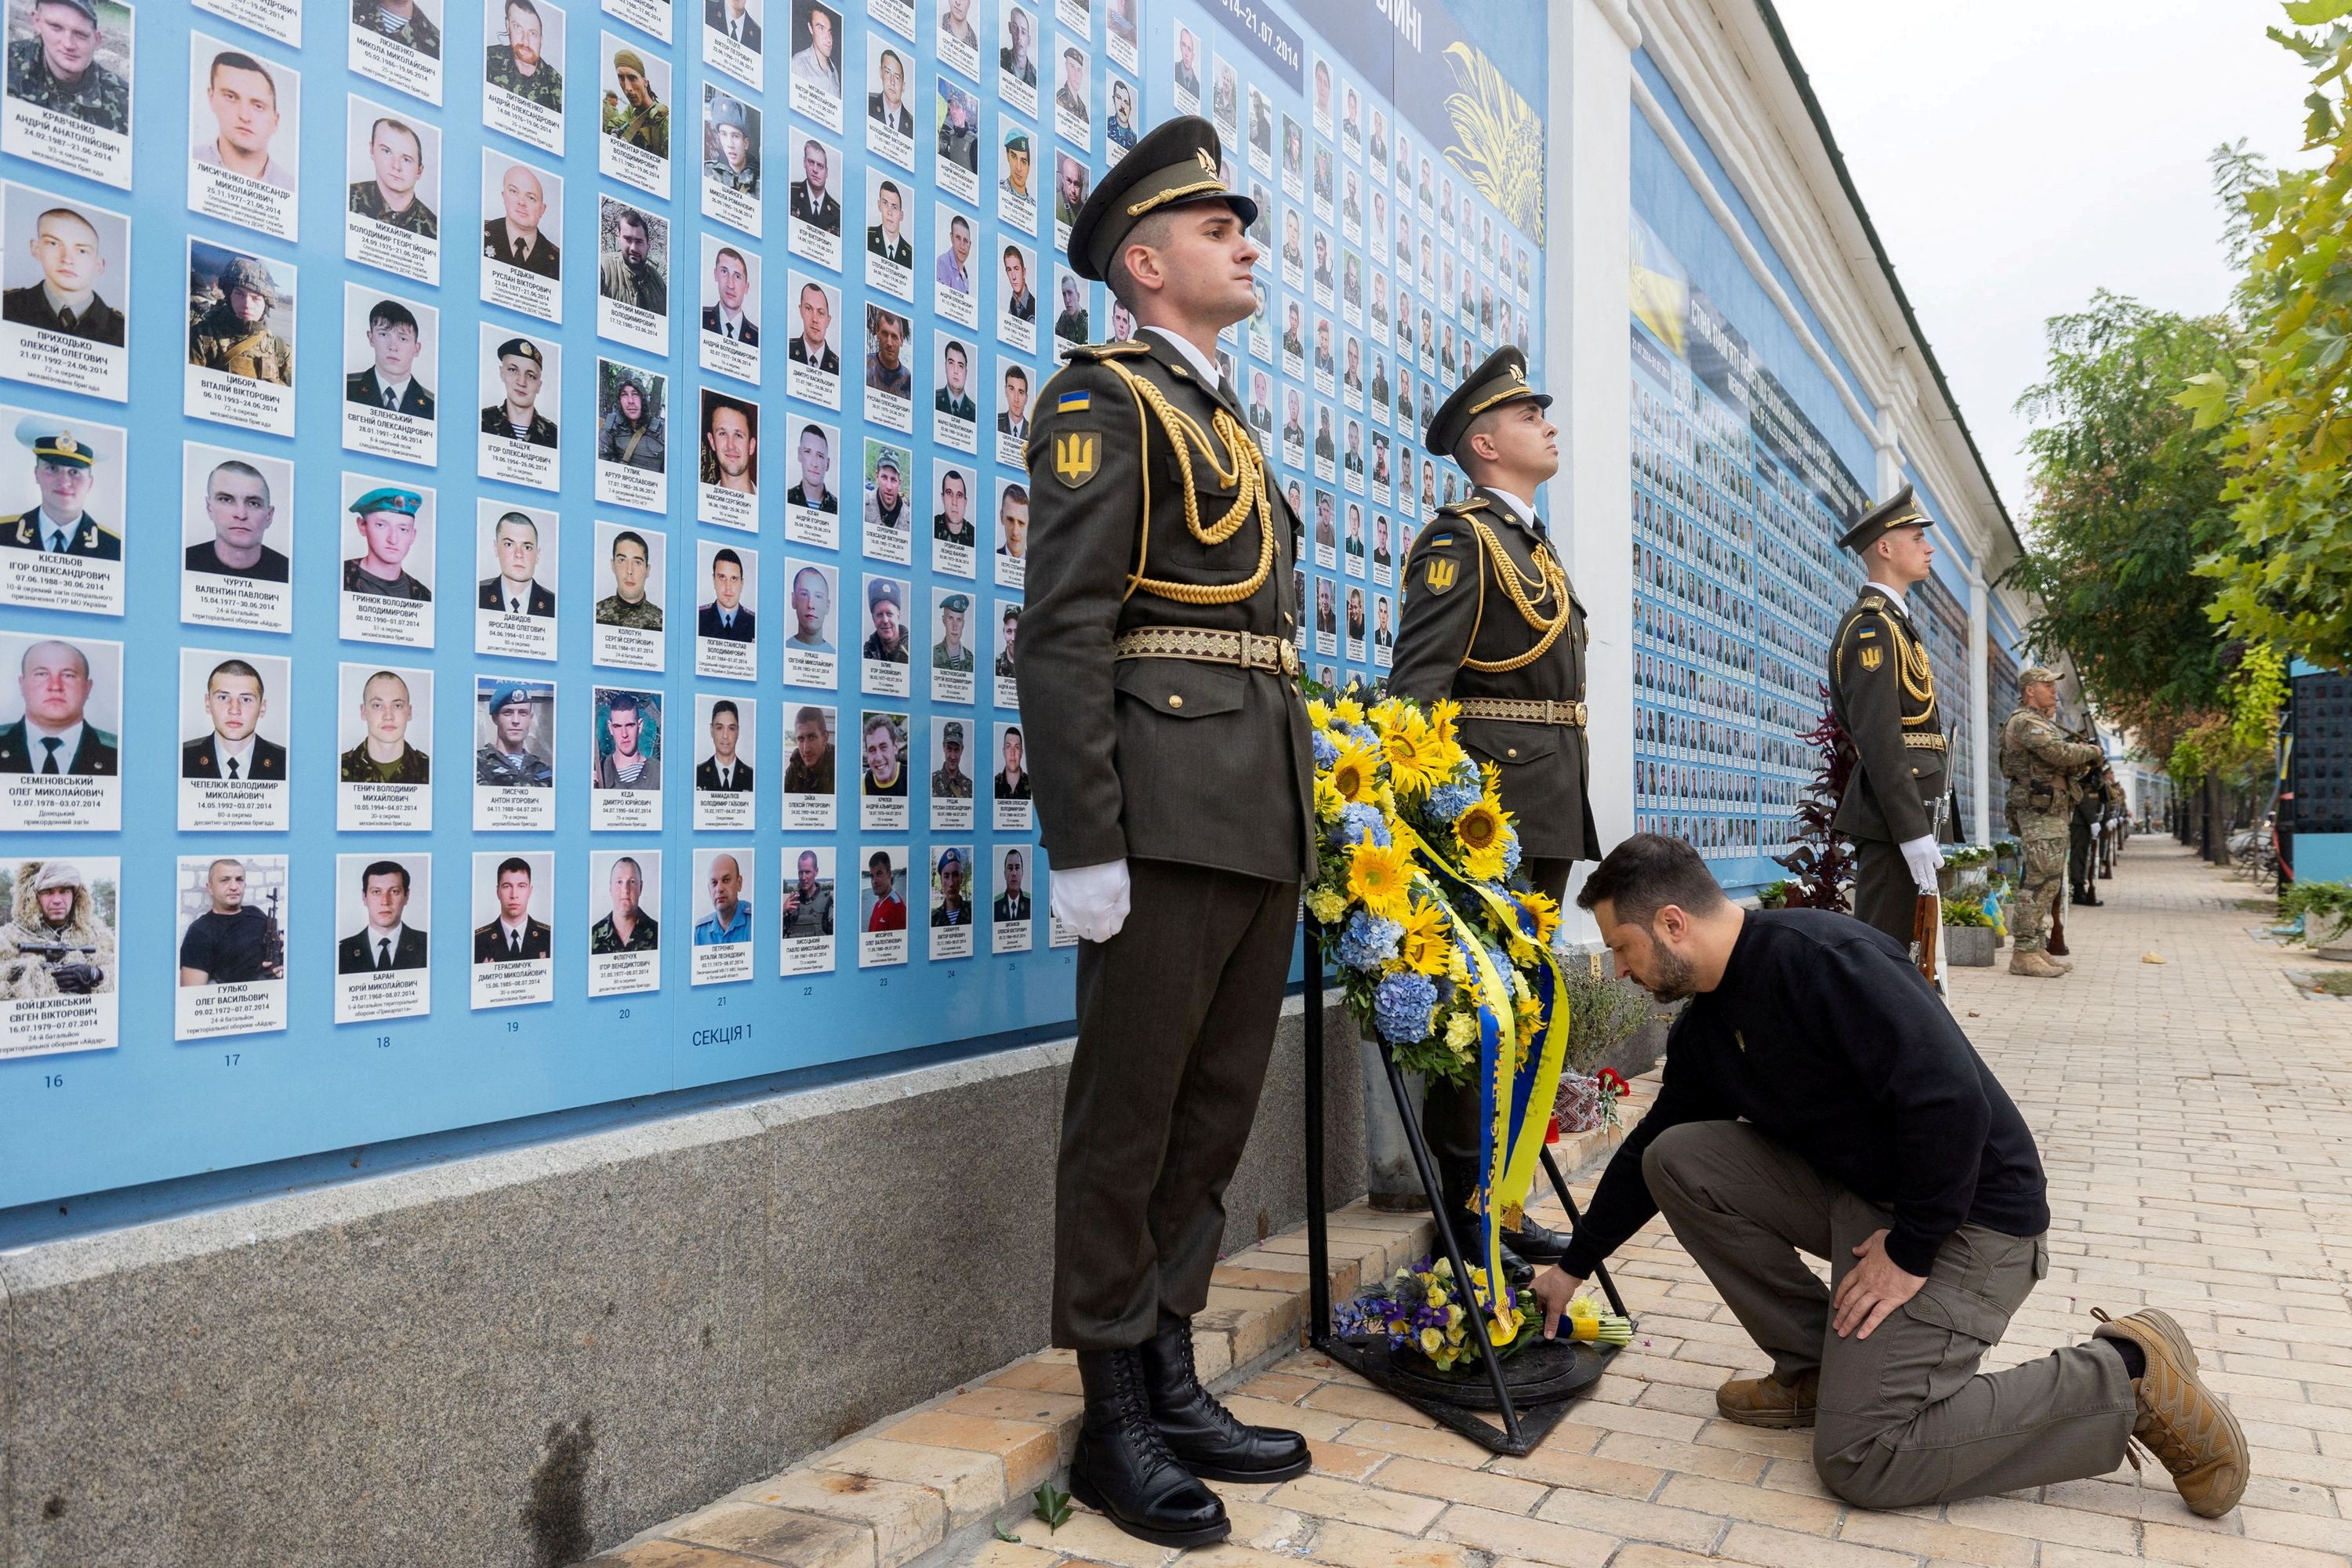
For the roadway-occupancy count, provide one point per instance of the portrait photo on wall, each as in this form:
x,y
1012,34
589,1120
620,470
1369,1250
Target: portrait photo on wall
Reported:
x,y
804,910
889,510
61,513
1072,119
728,334
954,281
725,741
1016,180
885,654
813,368
514,754
625,775
232,917
952,888
398,43
624,922
58,954
66,102
1007,693
721,953
726,623
951,658
1016,55
244,124
519,381
808,771
810,655
241,310
890,113
384,940
882,905
516,563
237,538
731,38
817,46
812,507
884,790
392,166
512,911
522,74
383,776
814,229
522,214
1010,914
1016,297
60,733
234,762
633,116
629,586
727,461
632,437
632,276
949,783
388,574
958,36
956,122
733,161
64,283
391,356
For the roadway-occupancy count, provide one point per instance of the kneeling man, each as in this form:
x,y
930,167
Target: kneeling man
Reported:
x,y
1818,1099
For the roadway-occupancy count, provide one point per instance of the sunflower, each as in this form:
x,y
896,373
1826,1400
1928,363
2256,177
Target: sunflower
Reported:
x,y
1441,715
1348,710
1481,831
1318,712
1379,876
1413,755
1327,799
1355,773
1544,910
1424,947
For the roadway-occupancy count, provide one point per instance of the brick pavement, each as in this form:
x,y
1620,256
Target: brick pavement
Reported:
x,y
2196,1119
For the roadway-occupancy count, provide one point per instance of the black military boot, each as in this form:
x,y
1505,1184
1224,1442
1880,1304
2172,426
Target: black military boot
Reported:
x,y
1460,1179
1535,1241
1203,1435
1123,1470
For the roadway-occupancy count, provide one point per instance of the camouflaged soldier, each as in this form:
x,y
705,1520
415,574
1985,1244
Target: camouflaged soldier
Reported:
x,y
1174,795
2043,769
402,21
517,65
57,68
640,119
949,780
233,333
1491,621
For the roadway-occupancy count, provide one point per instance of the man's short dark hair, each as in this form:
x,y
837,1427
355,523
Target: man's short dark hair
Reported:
x,y
384,869
724,705
725,557
1016,372
514,863
1646,873
631,536
633,218
391,313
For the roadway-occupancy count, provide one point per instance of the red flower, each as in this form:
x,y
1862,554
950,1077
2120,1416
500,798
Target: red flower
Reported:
x,y
1610,1080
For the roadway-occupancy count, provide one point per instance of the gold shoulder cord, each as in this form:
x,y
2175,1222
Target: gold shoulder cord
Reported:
x,y
1550,584
1917,674
1247,473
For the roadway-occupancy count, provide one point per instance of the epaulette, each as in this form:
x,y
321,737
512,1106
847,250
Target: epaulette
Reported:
x,y
1118,348
1463,507
1874,602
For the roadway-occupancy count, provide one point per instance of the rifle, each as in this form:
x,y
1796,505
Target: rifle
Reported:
x,y
1927,920
273,949
2055,943
72,976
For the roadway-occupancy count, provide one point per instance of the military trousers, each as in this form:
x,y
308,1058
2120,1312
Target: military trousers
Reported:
x,y
1884,896
1905,1417
1449,1111
1176,1019
2080,866
2041,882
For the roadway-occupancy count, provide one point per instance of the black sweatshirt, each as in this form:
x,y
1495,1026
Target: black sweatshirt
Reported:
x,y
1823,1034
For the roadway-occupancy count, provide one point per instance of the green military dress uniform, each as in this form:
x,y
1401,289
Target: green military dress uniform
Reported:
x,y
98,97
1883,692
1159,700
1491,621
543,87
2044,770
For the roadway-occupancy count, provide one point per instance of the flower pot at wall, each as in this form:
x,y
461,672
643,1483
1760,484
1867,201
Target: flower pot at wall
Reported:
x,y
1947,877
1968,947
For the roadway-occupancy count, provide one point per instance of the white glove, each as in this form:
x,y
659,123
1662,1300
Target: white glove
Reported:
x,y
1091,899
1922,856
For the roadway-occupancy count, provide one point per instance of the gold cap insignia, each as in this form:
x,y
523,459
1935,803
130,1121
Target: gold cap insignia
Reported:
x,y
66,442
1207,162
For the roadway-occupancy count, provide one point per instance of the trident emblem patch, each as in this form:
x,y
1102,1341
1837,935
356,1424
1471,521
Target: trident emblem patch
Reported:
x,y
1872,657
1439,576
1076,456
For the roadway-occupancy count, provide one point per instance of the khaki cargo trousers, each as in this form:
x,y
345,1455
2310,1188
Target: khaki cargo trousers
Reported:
x,y
1905,1415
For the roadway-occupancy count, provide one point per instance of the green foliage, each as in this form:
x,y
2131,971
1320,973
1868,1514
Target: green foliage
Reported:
x,y
2283,407
2325,909
1601,1011
2238,740
1773,895
1053,1506
2335,983
1963,856
1961,912
2127,499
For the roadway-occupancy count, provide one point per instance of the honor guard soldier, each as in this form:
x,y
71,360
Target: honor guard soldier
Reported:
x,y
2045,768
1173,788
1491,621
233,333
58,525
2082,830
1883,692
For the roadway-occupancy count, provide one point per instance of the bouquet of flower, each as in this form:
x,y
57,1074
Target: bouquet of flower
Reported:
x,y
1421,1308
1442,953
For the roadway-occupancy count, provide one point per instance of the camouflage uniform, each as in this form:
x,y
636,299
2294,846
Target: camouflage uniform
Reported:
x,y
613,610
218,341
543,87
367,200
2043,769
100,98
492,766
418,31
647,127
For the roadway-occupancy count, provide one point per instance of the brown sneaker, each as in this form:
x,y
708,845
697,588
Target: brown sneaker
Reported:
x,y
2179,1420
1769,1401
2035,965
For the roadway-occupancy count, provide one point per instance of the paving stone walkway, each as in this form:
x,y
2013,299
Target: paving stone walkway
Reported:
x,y
2196,1119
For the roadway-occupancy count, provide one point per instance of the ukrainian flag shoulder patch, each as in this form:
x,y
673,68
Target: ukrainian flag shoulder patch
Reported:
x,y
1074,402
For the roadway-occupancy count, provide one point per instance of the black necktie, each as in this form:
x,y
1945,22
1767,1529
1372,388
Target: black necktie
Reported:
x,y
383,952
50,763
390,401
514,945
232,767
58,541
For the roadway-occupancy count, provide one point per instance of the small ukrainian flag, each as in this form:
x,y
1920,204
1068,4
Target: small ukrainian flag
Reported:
x,y
1074,402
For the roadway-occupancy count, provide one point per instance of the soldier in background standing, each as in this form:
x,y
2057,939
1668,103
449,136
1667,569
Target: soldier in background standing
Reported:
x,y
2082,835
1883,692
2042,767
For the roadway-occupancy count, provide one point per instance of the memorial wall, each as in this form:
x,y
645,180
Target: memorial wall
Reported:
x,y
450,681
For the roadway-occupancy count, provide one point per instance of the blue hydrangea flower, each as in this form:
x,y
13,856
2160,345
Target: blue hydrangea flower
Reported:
x,y
1401,1006
1359,822
1449,801
1366,942
1510,854
1326,753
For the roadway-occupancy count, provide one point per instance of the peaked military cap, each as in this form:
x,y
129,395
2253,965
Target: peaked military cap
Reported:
x,y
1502,379
1177,163
2037,674
52,445
1901,509
387,497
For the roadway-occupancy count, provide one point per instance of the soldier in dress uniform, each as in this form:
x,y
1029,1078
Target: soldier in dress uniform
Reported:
x,y
57,68
520,368
1491,621
2044,769
1883,692
233,333
58,525
949,780
1174,789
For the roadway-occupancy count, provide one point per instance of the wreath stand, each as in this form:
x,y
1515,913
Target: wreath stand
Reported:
x,y
1533,1389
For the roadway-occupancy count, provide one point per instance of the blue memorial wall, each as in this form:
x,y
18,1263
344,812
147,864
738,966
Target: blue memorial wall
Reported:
x,y
516,511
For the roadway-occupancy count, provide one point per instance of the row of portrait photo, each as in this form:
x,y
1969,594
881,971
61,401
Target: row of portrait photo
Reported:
x,y
63,757
238,948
